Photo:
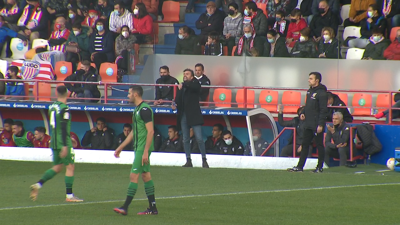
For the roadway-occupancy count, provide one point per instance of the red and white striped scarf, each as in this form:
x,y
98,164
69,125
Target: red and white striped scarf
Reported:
x,y
387,7
59,34
36,15
9,12
282,26
249,19
90,22
241,42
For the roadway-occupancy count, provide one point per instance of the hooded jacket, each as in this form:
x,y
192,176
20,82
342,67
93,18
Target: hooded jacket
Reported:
x,y
371,144
305,49
236,148
316,109
393,51
347,117
260,23
80,75
375,51
233,25
341,136
189,45
280,48
295,122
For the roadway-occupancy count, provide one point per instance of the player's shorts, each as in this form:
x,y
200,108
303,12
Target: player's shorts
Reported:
x,y
137,163
69,159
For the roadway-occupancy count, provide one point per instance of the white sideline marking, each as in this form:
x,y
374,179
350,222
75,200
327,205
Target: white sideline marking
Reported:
x,y
205,195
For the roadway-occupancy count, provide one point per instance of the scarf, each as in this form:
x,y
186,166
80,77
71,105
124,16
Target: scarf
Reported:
x,y
35,17
371,39
249,19
282,26
376,23
272,52
241,41
387,7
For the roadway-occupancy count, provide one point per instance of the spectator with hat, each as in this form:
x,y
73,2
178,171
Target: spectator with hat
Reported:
x,y
212,20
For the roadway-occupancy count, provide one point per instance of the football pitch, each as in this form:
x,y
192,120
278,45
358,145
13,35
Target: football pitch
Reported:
x,y
202,196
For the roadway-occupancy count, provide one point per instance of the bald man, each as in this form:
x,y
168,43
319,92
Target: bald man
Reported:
x,y
59,36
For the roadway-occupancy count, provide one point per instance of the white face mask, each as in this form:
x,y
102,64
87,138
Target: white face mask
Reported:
x,y
125,33
255,138
180,36
327,37
228,141
247,35
76,32
136,11
302,39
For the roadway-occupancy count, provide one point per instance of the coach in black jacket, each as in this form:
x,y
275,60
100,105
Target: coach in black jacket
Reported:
x,y
189,114
315,112
334,100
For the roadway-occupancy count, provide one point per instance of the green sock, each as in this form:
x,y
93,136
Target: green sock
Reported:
x,y
132,188
149,188
69,181
50,173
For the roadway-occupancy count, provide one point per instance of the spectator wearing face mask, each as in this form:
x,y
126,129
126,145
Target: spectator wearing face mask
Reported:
x,y
226,5
328,46
248,41
73,18
256,18
101,46
296,25
165,93
376,47
281,25
358,12
151,7
120,17
233,26
260,145
334,5
393,51
59,36
213,46
325,18
86,74
374,20
104,8
90,20
187,43
275,45
78,37
142,24
305,47
123,46
273,6
231,145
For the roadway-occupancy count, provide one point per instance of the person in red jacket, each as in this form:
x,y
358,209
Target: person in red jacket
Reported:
x,y
393,51
296,25
42,140
76,144
142,23
6,134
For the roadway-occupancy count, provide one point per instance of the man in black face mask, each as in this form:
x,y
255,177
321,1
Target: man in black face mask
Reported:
x,y
165,93
325,18
340,134
87,73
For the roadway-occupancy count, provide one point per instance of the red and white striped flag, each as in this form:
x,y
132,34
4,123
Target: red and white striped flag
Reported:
x,y
33,70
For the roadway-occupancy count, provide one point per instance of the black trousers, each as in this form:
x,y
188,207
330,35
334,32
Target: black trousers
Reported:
x,y
308,136
124,62
348,23
98,59
140,38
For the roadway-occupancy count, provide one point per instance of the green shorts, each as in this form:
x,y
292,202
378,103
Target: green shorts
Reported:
x,y
69,159
137,163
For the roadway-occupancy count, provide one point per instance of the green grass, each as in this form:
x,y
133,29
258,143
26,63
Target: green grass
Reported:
x,y
202,196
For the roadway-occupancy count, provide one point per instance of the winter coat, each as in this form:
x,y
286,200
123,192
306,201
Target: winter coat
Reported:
x,y
331,50
318,22
257,44
393,51
213,146
151,5
213,49
375,51
99,139
316,109
260,146
358,9
108,45
273,8
305,49
165,92
143,25
296,28
83,42
122,43
174,145
366,28
371,144
295,122
233,25
236,148
59,6
80,76
347,117
334,5
341,136
280,48
260,23
305,7
189,45
216,22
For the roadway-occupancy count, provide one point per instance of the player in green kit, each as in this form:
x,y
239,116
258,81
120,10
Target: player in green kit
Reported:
x,y
61,145
142,135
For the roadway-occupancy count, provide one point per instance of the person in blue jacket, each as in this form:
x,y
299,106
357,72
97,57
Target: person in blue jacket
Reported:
x,y
5,37
14,89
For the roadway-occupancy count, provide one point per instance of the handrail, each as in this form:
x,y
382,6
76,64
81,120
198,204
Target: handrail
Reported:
x,y
277,137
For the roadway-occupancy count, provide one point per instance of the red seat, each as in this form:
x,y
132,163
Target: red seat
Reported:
x,y
222,97
63,69
250,98
382,101
362,100
343,96
170,10
268,100
291,101
42,92
108,72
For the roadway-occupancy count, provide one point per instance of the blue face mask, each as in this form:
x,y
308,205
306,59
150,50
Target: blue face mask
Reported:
x,y
247,35
99,27
377,38
246,12
116,12
271,40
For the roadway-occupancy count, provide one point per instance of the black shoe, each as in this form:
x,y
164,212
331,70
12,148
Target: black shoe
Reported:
x,y
295,169
351,165
188,163
318,170
205,164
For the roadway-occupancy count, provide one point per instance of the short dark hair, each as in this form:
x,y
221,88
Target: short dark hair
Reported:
x,y
100,20
259,130
219,126
295,12
226,132
62,90
251,5
317,75
377,30
8,121
18,123
199,65
101,119
128,126
120,3
234,5
77,25
375,7
185,29
86,63
13,69
164,68
213,35
173,127
272,32
125,26
190,70
330,95
138,89
40,129
305,31
281,13
300,110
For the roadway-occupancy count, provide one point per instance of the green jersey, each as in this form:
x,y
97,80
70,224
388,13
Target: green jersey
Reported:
x,y
59,114
25,140
142,115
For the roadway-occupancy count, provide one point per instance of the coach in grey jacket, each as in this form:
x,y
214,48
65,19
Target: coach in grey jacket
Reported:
x,y
340,134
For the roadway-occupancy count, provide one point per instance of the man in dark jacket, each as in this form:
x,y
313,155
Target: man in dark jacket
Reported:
x,y
340,134
277,43
256,17
325,18
122,136
249,41
260,145
174,142
214,142
212,20
86,74
376,47
165,93
333,4
203,80
231,145
187,43
99,137
315,112
189,114
334,100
